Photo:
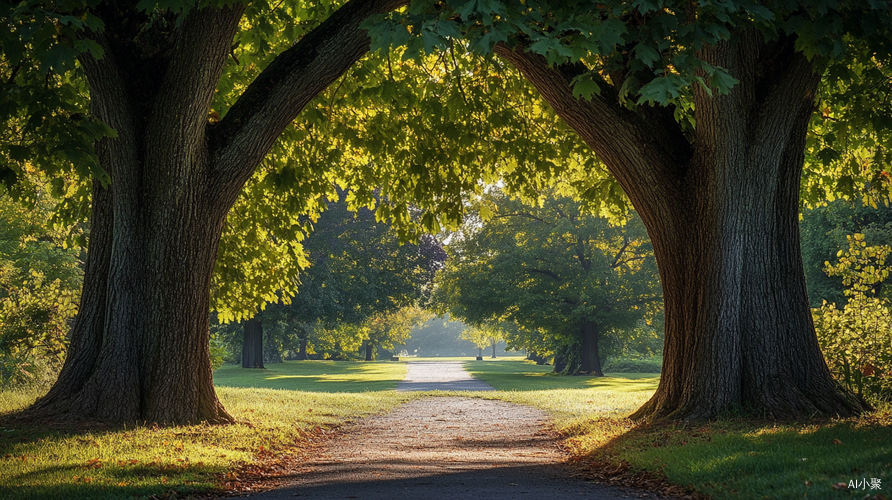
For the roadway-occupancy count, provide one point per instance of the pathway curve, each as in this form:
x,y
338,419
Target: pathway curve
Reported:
x,y
444,448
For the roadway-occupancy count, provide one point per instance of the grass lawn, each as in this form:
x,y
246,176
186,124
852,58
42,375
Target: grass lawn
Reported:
x,y
316,376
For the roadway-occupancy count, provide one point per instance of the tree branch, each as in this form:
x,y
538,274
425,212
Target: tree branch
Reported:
x,y
294,78
546,272
200,49
522,214
647,152
619,254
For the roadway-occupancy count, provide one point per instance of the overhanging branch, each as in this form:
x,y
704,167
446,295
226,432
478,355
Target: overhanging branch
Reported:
x,y
294,78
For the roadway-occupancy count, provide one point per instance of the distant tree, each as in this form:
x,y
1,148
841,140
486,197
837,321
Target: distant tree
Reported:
x,y
252,345
553,269
384,330
485,335
439,336
360,274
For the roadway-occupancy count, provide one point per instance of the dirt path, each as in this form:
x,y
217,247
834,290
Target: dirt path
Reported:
x,y
438,448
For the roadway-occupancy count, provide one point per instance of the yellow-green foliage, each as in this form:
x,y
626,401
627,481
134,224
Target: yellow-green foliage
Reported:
x,y
857,339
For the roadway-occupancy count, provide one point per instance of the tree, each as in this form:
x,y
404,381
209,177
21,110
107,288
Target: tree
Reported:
x,y
700,111
554,270
384,330
361,275
857,339
487,335
439,337
252,343
167,172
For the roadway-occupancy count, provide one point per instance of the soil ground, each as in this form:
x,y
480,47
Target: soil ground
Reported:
x,y
445,447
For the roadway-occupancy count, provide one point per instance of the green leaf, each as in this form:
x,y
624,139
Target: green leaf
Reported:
x,y
646,54
584,87
60,58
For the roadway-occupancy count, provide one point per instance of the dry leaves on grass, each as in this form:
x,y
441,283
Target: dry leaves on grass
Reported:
x,y
270,466
621,473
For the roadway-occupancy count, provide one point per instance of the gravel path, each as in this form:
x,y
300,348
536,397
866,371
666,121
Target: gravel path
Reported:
x,y
440,376
444,448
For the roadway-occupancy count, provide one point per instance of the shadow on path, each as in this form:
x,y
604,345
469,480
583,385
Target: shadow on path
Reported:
x,y
445,448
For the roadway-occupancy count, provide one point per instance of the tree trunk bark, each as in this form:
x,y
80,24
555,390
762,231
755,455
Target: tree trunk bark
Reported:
x,y
721,209
252,344
591,360
560,363
369,351
493,350
302,350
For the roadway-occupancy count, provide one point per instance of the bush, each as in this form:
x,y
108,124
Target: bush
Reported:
x,y
629,365
857,339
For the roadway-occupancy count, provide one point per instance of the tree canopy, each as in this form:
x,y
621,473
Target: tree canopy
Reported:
x,y
170,116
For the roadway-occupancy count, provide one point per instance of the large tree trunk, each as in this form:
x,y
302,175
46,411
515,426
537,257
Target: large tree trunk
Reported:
x,y
591,359
369,351
721,211
139,346
252,344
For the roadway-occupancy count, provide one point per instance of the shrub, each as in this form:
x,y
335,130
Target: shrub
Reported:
x,y
857,339
630,365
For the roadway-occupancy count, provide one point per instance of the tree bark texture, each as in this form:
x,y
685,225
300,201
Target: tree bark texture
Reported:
x,y
591,360
302,350
252,344
139,345
369,351
493,351
721,208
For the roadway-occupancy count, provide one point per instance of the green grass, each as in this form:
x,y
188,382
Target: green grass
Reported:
x,y
316,376
578,404
726,459
738,459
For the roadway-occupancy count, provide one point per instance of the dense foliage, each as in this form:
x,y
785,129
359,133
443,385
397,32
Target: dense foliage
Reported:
x,y
549,270
40,282
359,287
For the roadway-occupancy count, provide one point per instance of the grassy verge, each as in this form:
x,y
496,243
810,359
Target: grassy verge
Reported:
x,y
142,462
725,459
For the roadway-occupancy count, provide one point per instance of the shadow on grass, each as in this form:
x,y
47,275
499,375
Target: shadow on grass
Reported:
x,y
92,491
315,376
744,459
527,376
